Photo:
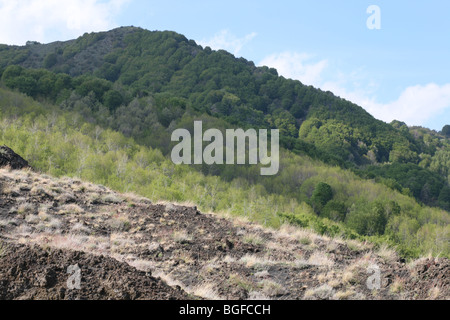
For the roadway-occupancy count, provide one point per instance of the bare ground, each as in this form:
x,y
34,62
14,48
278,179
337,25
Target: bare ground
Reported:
x,y
54,223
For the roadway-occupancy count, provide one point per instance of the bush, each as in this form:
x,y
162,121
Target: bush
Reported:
x,y
321,196
367,219
335,211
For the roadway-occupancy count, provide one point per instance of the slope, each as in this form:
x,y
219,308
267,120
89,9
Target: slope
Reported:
x,y
119,240
61,144
214,82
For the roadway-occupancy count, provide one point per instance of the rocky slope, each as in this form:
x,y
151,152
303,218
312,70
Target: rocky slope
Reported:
x,y
33,272
125,244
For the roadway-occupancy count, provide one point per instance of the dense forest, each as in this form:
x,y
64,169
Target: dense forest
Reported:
x,y
103,107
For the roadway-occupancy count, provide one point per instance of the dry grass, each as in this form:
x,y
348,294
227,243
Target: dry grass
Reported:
x,y
142,265
434,293
271,288
239,281
335,283
65,197
320,259
187,204
120,243
170,281
70,209
32,219
326,277
324,292
257,296
207,291
254,239
23,230
397,286
10,190
112,199
43,216
80,228
54,224
344,295
253,261
229,259
40,191
387,254
296,234
356,245
121,224
182,237
262,274
349,277
25,208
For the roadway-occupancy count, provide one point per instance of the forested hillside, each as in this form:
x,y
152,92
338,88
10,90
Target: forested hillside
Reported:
x,y
103,108
306,192
114,69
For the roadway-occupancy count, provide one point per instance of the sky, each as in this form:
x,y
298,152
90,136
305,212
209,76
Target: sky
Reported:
x,y
393,59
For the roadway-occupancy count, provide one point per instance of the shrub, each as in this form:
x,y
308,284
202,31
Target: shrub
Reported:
x,y
367,219
321,196
335,211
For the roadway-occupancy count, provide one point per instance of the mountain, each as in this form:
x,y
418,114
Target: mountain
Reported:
x,y
103,108
184,80
167,64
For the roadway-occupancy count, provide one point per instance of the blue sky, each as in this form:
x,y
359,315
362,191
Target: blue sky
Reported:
x,y
400,72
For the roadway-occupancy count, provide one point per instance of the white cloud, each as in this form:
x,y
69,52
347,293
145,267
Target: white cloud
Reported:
x,y
296,66
227,41
415,105
50,20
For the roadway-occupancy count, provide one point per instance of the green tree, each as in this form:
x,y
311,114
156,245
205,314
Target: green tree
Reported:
x,y
367,219
112,99
444,198
446,130
334,210
50,60
321,195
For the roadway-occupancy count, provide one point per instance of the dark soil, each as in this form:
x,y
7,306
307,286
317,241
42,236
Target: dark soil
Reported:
x,y
111,236
9,158
42,274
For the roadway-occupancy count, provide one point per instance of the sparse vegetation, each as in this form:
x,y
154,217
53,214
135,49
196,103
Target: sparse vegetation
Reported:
x,y
120,223
324,292
70,209
271,288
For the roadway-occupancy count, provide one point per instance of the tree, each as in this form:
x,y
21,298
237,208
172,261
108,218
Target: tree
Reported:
x,y
322,194
444,198
112,99
50,60
334,210
446,130
367,219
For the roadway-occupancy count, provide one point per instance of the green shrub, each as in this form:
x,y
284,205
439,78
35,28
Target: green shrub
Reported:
x,y
321,196
367,219
335,211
